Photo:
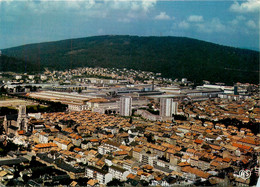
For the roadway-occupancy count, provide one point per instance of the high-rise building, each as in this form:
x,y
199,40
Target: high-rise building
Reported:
x,y
174,108
125,106
166,107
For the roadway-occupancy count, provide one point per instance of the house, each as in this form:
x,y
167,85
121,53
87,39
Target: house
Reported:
x,y
128,165
248,141
133,132
81,158
6,175
193,173
148,158
137,154
120,154
204,163
95,173
44,147
146,176
63,144
156,149
242,182
184,128
86,144
118,173
45,137
133,178
126,148
76,139
92,183
108,147
163,166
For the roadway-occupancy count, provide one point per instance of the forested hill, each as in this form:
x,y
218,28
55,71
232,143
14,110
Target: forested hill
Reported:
x,y
174,57
16,65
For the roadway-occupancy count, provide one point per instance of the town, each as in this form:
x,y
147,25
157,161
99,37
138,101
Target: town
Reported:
x,y
120,127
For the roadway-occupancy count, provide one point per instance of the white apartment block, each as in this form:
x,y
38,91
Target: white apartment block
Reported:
x,y
118,173
166,108
102,176
125,106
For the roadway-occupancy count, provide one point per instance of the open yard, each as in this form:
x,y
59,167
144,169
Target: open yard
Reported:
x,y
10,102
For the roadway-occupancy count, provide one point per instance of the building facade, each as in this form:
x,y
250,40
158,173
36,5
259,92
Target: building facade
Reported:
x,y
166,107
125,106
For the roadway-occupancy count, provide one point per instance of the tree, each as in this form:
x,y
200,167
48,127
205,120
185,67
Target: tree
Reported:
x,y
131,120
58,127
150,138
25,178
115,182
79,90
3,90
253,178
144,183
121,130
33,161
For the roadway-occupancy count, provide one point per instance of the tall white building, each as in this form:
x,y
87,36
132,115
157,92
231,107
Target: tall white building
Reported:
x,y
125,106
166,107
174,108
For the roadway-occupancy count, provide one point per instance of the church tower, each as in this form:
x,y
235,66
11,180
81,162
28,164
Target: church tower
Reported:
x,y
22,120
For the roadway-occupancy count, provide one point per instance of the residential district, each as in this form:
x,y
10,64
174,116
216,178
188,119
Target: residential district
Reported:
x,y
127,128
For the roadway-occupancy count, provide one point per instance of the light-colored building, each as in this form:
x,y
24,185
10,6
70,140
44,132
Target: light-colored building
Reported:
x,y
77,107
63,144
102,176
118,173
18,77
125,106
174,108
108,147
166,107
43,137
31,77
44,147
43,77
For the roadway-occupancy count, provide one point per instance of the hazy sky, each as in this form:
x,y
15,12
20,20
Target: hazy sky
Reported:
x,y
232,23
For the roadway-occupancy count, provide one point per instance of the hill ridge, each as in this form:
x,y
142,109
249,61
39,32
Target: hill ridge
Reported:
x,y
174,57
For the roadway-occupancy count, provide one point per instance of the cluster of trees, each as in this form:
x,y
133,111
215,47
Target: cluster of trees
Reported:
x,y
7,111
51,106
11,64
36,108
254,127
7,146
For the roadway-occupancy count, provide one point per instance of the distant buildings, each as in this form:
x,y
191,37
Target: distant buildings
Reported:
x,y
18,77
125,106
43,77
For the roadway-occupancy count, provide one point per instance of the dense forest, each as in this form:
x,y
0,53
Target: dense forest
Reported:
x,y
174,57
15,65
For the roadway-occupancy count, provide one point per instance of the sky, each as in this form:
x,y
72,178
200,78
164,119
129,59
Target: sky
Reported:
x,y
225,22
